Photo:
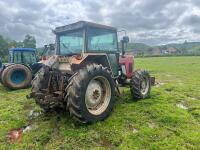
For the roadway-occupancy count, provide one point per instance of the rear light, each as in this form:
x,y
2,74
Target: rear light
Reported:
x,y
44,58
130,67
78,57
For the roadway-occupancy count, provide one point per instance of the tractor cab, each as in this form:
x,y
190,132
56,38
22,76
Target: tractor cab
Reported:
x,y
99,41
86,37
22,56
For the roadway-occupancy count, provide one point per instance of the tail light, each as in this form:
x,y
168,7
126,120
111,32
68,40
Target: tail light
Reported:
x,y
44,58
78,57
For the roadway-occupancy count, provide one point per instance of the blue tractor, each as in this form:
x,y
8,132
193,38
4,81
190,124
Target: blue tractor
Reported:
x,y
22,66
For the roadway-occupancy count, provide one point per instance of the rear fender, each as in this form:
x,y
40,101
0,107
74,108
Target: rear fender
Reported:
x,y
128,62
72,64
27,67
88,58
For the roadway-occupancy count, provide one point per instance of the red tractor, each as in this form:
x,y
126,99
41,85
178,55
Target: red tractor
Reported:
x,y
86,72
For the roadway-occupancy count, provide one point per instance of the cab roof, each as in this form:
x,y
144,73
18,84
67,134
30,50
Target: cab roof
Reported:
x,y
79,25
23,49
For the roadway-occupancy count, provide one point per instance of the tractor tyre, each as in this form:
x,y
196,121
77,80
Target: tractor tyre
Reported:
x,y
16,76
1,71
91,94
38,83
140,84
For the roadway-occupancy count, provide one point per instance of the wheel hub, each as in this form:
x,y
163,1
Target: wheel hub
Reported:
x,y
93,94
98,95
18,76
144,86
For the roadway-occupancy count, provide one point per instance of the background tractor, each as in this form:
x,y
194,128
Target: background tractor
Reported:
x,y
86,72
20,70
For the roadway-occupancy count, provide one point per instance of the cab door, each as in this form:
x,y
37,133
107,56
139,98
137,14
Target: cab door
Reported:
x,y
103,40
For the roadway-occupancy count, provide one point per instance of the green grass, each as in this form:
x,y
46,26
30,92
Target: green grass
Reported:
x,y
154,123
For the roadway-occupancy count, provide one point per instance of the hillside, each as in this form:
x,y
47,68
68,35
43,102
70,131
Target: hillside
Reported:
x,y
186,48
135,47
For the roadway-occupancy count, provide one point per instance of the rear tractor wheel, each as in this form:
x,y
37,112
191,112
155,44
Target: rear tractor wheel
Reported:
x,y
90,94
39,83
140,84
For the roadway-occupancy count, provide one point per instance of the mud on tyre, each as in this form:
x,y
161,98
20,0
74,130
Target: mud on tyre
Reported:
x,y
140,85
39,83
90,94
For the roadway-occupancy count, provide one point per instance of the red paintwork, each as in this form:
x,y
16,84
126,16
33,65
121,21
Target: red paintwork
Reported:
x,y
15,135
127,60
44,58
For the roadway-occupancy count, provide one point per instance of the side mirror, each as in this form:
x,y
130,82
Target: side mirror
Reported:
x,y
52,47
125,39
45,47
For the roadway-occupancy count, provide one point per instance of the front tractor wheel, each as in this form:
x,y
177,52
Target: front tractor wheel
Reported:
x,y
140,84
91,94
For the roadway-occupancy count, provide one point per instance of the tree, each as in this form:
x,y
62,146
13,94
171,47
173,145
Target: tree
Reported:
x,y
29,41
19,44
11,43
3,47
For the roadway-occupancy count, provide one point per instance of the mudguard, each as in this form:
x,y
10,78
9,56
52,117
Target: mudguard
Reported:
x,y
128,62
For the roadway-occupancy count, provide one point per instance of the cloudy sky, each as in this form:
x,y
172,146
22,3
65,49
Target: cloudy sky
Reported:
x,y
150,21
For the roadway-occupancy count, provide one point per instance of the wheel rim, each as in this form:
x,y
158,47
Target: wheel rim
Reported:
x,y
18,76
144,86
98,95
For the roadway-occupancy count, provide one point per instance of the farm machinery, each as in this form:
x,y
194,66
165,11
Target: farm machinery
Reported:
x,y
85,74
20,70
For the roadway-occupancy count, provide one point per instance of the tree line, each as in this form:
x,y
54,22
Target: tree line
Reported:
x,y
7,43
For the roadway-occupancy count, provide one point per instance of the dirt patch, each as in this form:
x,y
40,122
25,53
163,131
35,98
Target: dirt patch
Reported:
x,y
192,98
179,105
169,89
168,75
106,143
158,84
132,128
135,130
152,125
28,107
34,114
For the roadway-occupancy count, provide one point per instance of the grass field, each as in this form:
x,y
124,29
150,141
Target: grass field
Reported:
x,y
170,119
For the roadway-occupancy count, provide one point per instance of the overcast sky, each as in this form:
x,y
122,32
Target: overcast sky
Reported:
x,y
153,22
